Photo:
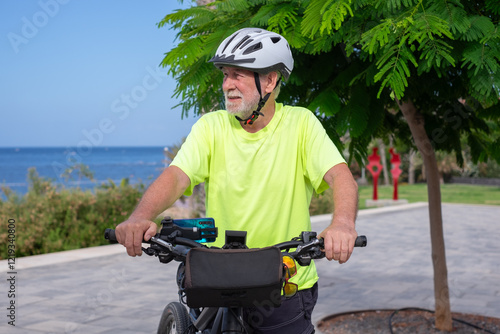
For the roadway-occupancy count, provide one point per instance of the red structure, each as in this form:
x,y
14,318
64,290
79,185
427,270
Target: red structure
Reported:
x,y
395,171
375,168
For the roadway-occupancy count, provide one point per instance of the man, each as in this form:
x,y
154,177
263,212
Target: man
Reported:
x,y
260,161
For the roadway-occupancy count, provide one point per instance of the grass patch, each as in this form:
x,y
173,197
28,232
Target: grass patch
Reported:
x,y
450,193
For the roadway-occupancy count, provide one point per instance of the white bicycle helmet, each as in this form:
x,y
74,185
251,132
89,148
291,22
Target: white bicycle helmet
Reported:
x,y
257,50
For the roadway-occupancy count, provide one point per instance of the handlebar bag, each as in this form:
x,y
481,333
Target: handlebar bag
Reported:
x,y
233,277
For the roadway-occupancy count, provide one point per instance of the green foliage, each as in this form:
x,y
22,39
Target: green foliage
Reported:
x,y
50,219
397,41
324,16
81,170
355,58
284,18
321,204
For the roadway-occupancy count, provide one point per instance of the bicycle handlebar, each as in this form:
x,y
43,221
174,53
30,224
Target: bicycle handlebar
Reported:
x,y
168,248
109,234
361,241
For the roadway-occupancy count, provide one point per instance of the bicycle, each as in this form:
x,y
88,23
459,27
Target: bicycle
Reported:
x,y
221,309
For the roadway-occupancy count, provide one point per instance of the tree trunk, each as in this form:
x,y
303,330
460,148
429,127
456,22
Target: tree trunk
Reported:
x,y
411,166
441,291
383,160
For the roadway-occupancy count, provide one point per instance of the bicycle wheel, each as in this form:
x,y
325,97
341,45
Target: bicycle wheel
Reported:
x,y
174,320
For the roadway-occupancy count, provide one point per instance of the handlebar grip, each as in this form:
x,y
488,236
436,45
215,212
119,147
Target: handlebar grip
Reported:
x,y
109,234
361,241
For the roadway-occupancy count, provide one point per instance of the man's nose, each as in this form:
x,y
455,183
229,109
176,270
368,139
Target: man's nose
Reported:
x,y
228,84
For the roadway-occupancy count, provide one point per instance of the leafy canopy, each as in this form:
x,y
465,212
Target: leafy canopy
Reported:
x,y
354,58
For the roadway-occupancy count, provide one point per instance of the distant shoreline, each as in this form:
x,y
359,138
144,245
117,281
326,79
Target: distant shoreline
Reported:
x,y
138,164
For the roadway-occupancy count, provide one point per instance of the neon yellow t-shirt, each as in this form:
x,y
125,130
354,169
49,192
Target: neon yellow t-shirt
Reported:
x,y
260,182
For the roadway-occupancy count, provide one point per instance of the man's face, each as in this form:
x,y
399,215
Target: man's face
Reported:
x,y
240,91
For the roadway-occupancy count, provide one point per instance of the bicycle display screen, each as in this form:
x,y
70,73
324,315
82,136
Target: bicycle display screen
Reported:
x,y
205,225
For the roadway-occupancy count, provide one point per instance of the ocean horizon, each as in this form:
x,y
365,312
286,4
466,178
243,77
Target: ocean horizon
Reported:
x,y
139,164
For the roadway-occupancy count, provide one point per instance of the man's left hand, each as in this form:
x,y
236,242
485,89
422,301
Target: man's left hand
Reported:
x,y
339,242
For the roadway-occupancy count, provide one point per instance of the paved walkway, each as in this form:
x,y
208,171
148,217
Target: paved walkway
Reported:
x,y
102,290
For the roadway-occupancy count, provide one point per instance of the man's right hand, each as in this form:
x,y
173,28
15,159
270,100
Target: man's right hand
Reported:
x,y
132,232
160,195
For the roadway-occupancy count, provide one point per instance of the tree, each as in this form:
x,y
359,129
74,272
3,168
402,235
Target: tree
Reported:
x,y
81,170
425,72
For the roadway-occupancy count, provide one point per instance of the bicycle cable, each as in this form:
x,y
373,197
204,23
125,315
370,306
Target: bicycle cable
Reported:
x,y
240,321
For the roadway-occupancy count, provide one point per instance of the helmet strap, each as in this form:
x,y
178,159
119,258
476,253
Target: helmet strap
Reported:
x,y
251,119
262,101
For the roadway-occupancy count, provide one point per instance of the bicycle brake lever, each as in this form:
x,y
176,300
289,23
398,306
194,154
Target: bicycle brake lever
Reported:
x,y
149,251
157,246
162,243
305,248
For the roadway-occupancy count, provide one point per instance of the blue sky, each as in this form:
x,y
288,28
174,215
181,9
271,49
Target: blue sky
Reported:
x,y
77,72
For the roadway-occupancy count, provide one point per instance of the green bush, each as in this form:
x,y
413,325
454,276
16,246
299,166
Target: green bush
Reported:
x,y
49,219
321,204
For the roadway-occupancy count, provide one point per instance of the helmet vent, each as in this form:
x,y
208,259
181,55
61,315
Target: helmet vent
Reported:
x,y
227,44
240,43
246,43
275,39
253,48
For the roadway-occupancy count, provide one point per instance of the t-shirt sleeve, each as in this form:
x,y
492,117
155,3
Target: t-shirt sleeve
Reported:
x,y
319,152
193,157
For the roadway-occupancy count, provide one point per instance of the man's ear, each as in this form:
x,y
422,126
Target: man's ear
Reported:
x,y
271,80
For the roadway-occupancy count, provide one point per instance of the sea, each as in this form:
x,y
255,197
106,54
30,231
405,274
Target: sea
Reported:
x,y
137,164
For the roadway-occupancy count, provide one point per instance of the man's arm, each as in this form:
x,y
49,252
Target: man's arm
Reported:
x,y
160,195
340,235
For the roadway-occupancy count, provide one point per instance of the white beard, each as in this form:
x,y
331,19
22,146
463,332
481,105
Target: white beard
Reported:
x,y
242,108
